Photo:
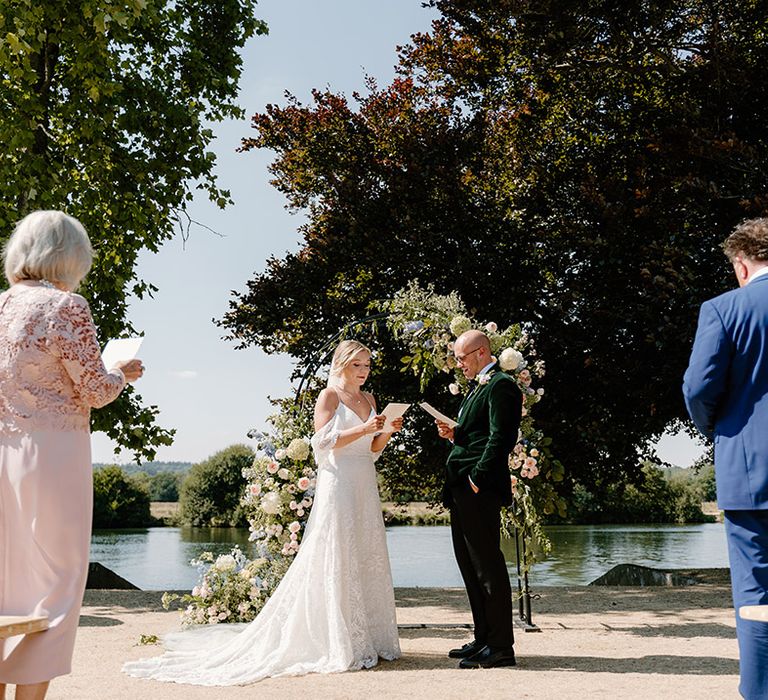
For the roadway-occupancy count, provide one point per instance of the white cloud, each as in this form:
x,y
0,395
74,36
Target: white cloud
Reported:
x,y
185,374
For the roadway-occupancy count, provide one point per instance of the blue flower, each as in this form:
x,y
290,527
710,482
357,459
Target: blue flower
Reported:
x,y
413,326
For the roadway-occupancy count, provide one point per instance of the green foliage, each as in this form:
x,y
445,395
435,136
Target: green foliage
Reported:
x,y
105,113
657,498
573,165
118,500
164,486
213,489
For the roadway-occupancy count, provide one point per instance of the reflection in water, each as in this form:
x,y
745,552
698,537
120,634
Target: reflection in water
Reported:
x,y
158,558
581,553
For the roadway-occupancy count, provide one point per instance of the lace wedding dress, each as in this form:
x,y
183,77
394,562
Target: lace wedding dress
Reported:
x,y
333,611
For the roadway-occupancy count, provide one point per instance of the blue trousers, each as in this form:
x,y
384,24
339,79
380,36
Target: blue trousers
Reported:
x,y
747,535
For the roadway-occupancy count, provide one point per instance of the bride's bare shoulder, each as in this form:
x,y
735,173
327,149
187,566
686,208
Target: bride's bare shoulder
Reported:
x,y
328,397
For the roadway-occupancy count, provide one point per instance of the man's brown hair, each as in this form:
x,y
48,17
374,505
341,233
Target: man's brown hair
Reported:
x,y
749,240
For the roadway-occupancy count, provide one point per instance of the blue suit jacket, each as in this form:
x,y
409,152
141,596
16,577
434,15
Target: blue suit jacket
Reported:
x,y
726,392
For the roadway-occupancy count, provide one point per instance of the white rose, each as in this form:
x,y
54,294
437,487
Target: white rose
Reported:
x,y
294,527
270,503
297,450
225,562
454,388
280,454
510,359
284,474
491,327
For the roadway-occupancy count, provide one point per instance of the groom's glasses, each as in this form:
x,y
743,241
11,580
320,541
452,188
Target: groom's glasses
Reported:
x,y
460,358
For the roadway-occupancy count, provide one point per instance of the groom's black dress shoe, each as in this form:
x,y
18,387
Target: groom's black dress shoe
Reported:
x,y
490,657
469,649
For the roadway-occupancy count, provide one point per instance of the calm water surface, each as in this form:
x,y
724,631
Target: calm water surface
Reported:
x,y
158,558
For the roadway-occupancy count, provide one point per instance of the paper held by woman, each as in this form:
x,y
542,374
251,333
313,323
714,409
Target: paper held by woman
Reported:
x,y
391,412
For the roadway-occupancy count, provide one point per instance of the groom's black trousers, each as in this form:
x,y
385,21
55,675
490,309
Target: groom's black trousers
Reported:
x,y
475,530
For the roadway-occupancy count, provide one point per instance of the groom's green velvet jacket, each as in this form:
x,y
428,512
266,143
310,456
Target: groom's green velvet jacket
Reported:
x,y
487,431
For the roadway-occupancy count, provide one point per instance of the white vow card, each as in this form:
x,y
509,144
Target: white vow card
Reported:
x,y
119,349
392,411
440,416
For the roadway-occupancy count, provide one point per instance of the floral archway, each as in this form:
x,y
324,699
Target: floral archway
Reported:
x,y
281,480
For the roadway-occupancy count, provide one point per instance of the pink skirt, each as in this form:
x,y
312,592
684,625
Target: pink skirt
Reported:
x,y
46,502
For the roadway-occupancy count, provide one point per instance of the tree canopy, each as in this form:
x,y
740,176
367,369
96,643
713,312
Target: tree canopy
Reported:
x,y
106,113
572,166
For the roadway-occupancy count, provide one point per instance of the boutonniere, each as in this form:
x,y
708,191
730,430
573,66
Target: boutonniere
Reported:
x,y
485,378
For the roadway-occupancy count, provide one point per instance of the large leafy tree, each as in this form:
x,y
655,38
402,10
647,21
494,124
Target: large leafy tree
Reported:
x,y
572,165
105,110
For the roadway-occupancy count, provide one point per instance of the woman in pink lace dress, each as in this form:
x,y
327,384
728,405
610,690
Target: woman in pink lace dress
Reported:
x,y
51,374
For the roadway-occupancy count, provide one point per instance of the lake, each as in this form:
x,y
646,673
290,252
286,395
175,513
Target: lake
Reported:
x,y
158,558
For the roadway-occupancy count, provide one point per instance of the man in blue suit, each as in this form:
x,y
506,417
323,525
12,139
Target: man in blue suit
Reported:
x,y
726,392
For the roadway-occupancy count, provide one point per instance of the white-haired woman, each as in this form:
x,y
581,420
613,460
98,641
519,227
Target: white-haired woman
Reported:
x,y
335,608
51,375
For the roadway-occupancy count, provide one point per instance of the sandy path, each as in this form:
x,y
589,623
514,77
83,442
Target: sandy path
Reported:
x,y
594,643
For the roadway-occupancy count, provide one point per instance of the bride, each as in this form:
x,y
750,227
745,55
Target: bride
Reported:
x,y
335,608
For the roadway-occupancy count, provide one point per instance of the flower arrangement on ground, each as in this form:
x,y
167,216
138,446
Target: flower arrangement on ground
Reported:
x,y
232,588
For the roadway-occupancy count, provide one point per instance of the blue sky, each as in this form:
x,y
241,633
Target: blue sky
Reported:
x,y
210,392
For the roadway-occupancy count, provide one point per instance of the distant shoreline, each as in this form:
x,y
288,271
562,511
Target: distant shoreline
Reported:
x,y
166,513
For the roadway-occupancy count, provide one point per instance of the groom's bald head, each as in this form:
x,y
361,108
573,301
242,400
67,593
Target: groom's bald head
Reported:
x,y
474,339
473,352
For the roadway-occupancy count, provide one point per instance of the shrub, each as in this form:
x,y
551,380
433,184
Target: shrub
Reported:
x,y
119,501
164,486
212,491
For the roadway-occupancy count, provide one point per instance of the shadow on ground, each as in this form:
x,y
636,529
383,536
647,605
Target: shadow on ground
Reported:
x,y
98,621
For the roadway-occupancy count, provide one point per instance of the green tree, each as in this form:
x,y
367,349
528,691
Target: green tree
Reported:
x,y
106,107
212,491
570,165
118,500
164,486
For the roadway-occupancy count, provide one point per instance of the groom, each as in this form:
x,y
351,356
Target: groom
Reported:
x,y
477,486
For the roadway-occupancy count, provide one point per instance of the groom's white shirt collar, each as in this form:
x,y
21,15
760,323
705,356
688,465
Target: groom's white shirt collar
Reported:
x,y
760,273
493,362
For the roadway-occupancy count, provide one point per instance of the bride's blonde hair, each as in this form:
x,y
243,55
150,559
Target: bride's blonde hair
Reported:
x,y
342,356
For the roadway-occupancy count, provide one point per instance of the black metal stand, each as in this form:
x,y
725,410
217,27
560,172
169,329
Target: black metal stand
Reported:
x,y
525,619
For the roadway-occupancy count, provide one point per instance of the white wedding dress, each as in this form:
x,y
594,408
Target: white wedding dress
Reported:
x,y
335,608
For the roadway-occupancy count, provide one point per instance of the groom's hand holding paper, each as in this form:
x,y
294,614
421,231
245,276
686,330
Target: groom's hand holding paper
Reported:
x,y
393,411
439,417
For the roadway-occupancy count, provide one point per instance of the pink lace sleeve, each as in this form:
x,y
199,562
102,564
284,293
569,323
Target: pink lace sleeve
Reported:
x,y
73,340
